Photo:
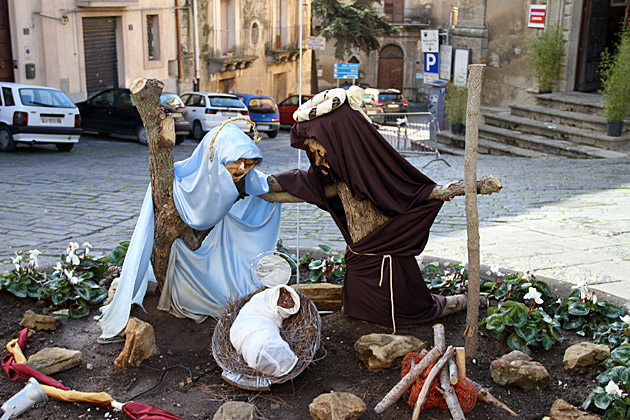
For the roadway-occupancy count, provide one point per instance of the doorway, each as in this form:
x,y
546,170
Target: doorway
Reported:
x,y
101,57
6,57
391,67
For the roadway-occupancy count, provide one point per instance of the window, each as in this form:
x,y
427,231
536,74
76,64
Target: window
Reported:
x,y
126,99
394,10
8,96
262,106
104,99
255,33
153,37
224,101
45,97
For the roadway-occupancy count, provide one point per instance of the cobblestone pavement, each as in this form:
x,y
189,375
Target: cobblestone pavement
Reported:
x,y
560,218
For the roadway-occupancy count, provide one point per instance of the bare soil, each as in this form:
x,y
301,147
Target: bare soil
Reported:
x,y
187,344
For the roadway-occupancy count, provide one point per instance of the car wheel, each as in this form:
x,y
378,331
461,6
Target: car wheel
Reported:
x,y
272,134
7,144
179,139
197,131
64,147
141,134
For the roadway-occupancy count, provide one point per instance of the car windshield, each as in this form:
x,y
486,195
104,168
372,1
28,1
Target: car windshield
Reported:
x,y
170,99
389,97
45,97
225,101
262,106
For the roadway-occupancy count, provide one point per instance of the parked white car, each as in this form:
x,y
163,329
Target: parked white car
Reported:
x,y
208,110
31,114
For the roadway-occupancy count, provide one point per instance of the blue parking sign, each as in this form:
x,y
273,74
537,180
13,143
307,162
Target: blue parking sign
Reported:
x,y
431,62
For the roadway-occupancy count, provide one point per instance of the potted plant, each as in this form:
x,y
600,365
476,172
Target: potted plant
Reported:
x,y
545,56
615,77
456,101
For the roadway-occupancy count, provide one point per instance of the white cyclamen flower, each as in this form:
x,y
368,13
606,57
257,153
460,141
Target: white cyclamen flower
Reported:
x,y
16,260
71,277
32,256
87,247
533,293
72,258
58,268
613,389
625,319
72,246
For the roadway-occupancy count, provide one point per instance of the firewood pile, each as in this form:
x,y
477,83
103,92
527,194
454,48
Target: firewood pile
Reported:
x,y
453,390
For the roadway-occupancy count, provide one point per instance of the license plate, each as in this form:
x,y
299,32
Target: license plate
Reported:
x,y
176,114
392,106
263,127
51,120
229,114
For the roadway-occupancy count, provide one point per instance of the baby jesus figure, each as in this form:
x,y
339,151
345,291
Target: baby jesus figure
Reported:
x,y
255,333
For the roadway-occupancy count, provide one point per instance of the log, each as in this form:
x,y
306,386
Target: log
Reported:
x,y
408,380
452,371
475,79
485,396
486,185
460,361
454,407
450,351
161,140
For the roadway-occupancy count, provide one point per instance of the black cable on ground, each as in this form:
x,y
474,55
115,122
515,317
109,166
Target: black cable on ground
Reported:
x,y
163,375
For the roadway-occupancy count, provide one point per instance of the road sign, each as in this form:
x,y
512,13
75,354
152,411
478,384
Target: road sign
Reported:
x,y
430,40
346,70
431,66
316,42
446,53
537,14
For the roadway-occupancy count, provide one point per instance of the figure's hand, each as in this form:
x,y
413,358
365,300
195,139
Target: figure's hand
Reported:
x,y
274,185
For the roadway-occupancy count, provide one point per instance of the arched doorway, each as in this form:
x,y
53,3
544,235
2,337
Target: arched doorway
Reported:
x,y
391,67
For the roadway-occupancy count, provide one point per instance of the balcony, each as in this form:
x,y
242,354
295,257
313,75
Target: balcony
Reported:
x,y
283,44
229,56
408,17
107,4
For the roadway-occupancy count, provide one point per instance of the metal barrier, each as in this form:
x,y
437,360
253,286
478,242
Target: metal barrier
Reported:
x,y
411,133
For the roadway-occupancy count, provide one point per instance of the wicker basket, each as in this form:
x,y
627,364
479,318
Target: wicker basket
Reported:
x,y
301,331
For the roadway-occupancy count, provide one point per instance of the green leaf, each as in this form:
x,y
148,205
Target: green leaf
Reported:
x,y
588,400
316,265
611,311
578,308
18,289
98,296
546,340
517,343
83,291
543,288
621,354
430,269
306,258
58,298
516,316
325,248
495,323
80,309
573,323
437,282
314,275
602,401
117,256
528,333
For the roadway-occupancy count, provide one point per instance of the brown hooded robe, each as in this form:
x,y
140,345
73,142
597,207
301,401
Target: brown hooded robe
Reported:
x,y
374,171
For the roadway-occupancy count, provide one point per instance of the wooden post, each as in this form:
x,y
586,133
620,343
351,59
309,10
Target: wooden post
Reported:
x,y
475,79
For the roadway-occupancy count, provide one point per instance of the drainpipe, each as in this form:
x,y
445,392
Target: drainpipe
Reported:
x,y
196,35
179,49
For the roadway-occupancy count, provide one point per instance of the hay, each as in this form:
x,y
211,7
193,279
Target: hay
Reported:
x,y
301,331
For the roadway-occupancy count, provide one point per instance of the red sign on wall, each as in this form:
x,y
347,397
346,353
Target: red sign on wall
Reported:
x,y
537,13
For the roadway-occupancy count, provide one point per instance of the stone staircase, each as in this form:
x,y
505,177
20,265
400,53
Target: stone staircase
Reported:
x,y
566,124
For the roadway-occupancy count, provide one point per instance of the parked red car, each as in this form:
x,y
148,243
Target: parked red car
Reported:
x,y
288,106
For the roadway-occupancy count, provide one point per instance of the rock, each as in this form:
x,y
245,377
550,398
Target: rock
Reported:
x,y
562,410
139,344
236,410
584,354
325,296
37,322
53,360
337,406
382,351
518,369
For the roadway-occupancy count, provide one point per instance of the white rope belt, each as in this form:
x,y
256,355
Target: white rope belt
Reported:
x,y
380,282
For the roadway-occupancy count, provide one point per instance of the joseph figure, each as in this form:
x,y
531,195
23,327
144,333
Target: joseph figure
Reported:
x,y
382,208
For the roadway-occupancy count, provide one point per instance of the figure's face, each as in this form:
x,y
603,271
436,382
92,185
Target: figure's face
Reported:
x,y
239,168
285,300
318,153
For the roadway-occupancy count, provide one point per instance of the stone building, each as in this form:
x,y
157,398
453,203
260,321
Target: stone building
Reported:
x,y
85,46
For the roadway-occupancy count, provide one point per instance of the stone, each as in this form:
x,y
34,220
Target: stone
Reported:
x,y
112,291
382,351
337,406
139,344
562,410
236,410
325,296
38,322
519,370
52,360
584,354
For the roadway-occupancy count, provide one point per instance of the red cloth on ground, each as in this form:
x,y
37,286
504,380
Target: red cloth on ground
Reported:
x,y
20,372
464,389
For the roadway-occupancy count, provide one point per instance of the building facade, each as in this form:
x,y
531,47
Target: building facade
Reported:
x,y
85,46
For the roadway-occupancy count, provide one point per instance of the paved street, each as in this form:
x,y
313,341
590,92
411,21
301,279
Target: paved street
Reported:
x,y
560,218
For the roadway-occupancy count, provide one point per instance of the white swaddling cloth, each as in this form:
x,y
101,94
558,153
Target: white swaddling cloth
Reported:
x,y
255,333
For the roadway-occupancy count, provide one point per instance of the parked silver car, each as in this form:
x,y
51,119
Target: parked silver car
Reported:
x,y
208,110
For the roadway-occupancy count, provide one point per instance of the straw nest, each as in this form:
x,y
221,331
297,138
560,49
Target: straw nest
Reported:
x,y
301,331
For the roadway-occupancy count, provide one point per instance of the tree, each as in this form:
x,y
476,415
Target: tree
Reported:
x,y
353,26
